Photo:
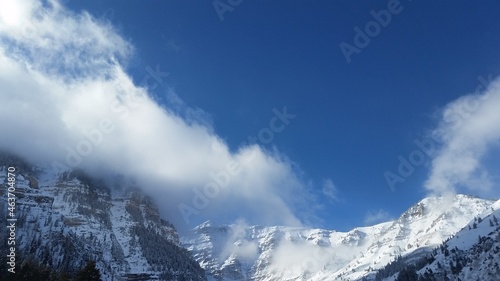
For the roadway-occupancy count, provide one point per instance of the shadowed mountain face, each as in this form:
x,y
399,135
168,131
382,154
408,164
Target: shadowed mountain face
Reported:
x,y
66,219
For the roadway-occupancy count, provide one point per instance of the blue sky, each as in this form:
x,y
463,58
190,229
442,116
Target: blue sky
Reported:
x,y
353,119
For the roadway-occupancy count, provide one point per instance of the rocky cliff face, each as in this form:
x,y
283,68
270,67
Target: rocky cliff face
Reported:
x,y
66,219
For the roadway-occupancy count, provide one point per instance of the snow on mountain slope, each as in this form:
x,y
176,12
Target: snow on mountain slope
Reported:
x,y
473,253
422,227
241,252
66,219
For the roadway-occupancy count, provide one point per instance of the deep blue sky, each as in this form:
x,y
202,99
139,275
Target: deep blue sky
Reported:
x,y
353,119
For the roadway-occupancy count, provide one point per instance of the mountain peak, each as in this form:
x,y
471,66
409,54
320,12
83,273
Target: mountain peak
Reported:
x,y
206,224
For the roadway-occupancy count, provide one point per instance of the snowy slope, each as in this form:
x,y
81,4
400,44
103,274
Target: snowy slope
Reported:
x,y
473,253
241,252
66,219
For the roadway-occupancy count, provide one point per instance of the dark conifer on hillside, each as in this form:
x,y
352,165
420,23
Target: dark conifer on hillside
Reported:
x,y
89,273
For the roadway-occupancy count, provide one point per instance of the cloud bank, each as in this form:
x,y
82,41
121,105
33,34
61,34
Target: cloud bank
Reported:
x,y
469,138
67,99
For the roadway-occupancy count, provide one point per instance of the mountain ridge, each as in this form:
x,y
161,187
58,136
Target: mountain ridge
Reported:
x,y
250,252
68,218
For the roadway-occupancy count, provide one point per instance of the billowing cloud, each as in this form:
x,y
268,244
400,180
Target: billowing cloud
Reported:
x,y
469,132
68,102
240,243
312,259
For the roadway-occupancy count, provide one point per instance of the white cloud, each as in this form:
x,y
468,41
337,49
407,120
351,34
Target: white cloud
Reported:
x,y
381,215
10,13
330,190
468,132
240,243
293,257
67,98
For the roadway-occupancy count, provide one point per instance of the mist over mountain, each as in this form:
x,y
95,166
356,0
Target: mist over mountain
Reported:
x,y
243,252
241,140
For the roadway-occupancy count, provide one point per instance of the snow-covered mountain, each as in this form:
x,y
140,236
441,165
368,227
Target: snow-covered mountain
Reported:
x,y
241,252
471,254
66,219
474,252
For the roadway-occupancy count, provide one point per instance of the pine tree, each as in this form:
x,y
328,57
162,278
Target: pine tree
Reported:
x,y
407,274
64,277
89,273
